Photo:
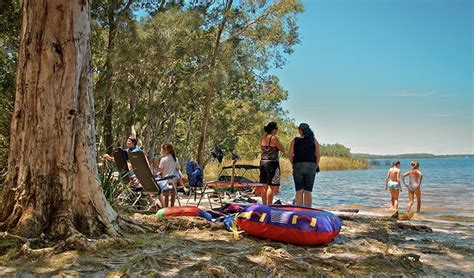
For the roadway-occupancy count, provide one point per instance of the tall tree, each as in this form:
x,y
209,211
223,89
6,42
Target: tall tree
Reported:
x,y
109,14
250,36
210,90
51,184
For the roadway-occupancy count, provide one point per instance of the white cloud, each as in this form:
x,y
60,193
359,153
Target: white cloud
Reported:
x,y
408,94
413,95
442,115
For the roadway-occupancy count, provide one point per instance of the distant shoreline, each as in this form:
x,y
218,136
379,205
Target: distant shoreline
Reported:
x,y
408,156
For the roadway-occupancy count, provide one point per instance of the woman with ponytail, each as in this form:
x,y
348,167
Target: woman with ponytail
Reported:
x,y
304,156
169,165
269,163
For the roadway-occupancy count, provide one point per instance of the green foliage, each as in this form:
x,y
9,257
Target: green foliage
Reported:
x,y
161,72
9,30
111,184
155,72
335,150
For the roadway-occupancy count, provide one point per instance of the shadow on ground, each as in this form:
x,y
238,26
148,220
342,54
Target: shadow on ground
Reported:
x,y
194,247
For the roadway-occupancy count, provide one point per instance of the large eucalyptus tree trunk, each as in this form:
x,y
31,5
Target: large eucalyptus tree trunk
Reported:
x,y
51,184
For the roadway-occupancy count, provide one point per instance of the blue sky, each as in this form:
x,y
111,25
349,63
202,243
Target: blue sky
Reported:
x,y
385,76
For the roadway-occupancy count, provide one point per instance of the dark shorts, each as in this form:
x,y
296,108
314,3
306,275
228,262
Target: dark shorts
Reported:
x,y
270,172
303,175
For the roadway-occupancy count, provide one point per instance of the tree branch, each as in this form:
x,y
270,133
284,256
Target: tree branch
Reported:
x,y
250,23
124,9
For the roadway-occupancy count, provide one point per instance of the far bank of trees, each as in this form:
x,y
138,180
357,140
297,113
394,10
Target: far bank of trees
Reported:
x,y
335,150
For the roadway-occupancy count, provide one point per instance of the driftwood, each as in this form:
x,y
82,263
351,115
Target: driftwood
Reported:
x,y
361,217
419,228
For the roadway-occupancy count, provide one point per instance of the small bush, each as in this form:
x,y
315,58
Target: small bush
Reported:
x,y
110,182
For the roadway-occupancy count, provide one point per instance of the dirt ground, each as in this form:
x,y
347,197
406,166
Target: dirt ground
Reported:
x,y
367,245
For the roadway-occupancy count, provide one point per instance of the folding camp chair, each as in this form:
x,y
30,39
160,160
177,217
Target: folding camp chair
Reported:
x,y
145,176
196,184
132,193
120,157
201,191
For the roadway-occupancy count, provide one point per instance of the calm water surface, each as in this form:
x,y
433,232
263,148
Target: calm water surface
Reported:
x,y
447,188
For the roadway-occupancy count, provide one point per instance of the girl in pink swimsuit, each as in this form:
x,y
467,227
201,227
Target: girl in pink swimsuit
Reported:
x,y
414,185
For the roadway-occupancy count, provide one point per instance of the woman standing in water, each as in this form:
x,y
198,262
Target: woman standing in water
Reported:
x,y
392,182
304,156
414,186
269,163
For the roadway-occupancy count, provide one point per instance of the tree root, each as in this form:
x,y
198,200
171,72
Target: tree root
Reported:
x,y
27,251
71,239
129,225
76,241
20,238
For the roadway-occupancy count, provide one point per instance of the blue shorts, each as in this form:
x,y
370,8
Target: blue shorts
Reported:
x,y
303,175
393,185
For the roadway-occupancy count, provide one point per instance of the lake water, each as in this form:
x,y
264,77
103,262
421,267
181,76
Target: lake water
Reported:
x,y
447,188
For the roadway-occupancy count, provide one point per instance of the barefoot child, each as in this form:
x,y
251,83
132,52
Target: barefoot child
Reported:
x,y
392,182
414,186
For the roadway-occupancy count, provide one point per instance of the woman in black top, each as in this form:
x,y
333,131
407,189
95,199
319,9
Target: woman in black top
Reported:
x,y
304,156
269,163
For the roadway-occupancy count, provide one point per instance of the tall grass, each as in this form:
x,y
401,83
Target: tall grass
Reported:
x,y
342,163
110,183
326,164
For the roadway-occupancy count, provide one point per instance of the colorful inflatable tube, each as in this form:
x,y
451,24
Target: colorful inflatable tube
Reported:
x,y
183,211
289,224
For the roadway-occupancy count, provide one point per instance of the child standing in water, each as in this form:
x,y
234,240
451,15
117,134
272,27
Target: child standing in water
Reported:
x,y
392,182
414,186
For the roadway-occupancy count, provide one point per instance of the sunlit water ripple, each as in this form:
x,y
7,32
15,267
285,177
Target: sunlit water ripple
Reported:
x,y
447,187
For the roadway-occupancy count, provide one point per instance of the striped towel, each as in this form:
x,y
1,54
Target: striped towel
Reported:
x,y
281,217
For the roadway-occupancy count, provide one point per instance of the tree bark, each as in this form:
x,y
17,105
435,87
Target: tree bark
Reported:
x,y
51,186
211,86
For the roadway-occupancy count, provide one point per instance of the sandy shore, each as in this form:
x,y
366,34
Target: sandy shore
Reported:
x,y
370,243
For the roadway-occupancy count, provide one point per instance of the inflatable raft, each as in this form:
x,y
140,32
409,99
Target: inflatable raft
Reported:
x,y
289,224
183,211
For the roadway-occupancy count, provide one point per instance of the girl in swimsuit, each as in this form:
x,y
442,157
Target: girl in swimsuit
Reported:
x,y
392,182
414,185
269,163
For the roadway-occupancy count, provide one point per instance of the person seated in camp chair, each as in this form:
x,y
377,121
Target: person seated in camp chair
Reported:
x,y
168,166
131,147
152,185
180,180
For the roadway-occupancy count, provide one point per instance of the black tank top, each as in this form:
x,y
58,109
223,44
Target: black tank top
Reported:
x,y
304,151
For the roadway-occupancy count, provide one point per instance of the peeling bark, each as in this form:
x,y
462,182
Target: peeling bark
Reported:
x,y
51,186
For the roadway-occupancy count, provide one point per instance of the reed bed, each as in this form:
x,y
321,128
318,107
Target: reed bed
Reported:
x,y
326,164
343,163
